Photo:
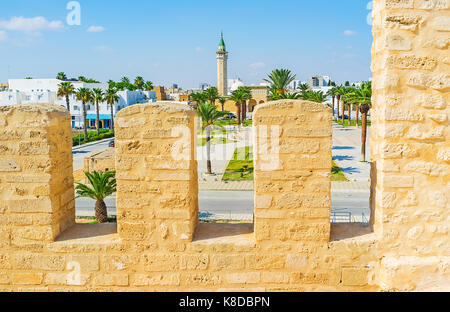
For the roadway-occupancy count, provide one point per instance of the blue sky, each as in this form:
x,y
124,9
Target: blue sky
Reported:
x,y
175,41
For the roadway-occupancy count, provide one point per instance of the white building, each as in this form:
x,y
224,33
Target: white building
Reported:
x,y
234,84
24,91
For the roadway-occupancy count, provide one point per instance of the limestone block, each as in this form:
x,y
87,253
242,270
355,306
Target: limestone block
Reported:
x,y
441,23
354,276
399,4
243,278
433,4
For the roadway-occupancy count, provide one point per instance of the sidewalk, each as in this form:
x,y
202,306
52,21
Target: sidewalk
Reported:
x,y
347,153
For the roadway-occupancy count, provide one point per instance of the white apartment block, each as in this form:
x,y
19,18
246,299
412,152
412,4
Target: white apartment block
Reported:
x,y
23,91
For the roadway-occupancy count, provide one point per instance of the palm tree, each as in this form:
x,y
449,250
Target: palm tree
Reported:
x,y
85,96
139,83
333,93
98,95
341,91
199,98
286,96
111,98
239,96
303,87
148,86
102,185
222,101
247,96
213,94
65,89
363,96
318,97
61,76
280,79
125,80
209,114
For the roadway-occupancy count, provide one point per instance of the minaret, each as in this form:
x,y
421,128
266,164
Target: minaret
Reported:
x,y
222,68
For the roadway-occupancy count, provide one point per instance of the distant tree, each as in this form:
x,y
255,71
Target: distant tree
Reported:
x,y
222,101
65,90
139,83
213,94
98,97
333,93
239,96
280,79
85,96
199,98
209,114
347,83
61,76
314,96
286,96
148,86
303,87
102,185
111,98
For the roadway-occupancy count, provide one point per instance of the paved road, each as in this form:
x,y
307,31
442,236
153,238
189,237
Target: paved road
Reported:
x,y
239,205
80,154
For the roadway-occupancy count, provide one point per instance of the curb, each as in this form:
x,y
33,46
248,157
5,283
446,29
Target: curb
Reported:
x,y
91,143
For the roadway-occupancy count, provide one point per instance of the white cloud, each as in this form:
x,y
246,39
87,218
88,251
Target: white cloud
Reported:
x,y
96,29
257,65
32,25
3,36
350,33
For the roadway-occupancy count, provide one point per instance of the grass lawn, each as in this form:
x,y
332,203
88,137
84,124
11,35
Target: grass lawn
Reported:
x,y
214,141
240,167
92,220
353,123
337,174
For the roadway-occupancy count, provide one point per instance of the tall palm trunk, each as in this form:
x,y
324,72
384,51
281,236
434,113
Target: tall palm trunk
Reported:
x,y
238,114
338,98
111,125
244,111
343,112
101,213
68,103
363,136
208,151
332,104
357,116
97,121
85,121
349,114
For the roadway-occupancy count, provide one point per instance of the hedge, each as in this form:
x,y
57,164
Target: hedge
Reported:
x,y
93,137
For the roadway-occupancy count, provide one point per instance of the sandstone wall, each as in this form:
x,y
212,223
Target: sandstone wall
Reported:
x,y
36,183
411,141
158,244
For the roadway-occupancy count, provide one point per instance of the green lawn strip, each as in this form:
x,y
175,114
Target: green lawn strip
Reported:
x,y
337,174
353,123
214,141
243,157
240,167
